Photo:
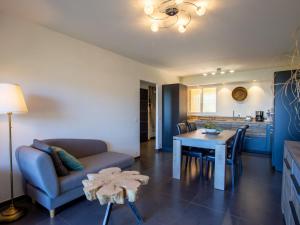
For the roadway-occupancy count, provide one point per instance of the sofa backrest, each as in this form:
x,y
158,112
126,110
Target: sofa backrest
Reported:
x,y
79,147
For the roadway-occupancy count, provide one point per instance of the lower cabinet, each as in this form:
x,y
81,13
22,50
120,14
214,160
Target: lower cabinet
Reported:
x,y
256,144
259,144
290,196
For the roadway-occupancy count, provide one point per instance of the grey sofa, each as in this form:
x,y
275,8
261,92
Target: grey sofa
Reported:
x,y
44,186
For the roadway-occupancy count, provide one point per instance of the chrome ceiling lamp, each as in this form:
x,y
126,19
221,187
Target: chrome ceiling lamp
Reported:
x,y
219,71
170,13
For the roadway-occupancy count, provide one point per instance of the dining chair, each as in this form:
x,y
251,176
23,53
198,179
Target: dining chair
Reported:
x,y
231,159
182,129
241,148
190,152
191,126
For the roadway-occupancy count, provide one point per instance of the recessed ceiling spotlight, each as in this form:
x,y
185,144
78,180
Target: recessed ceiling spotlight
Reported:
x,y
213,73
231,71
205,74
222,72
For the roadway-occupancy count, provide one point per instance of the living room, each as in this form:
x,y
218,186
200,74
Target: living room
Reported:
x,y
80,65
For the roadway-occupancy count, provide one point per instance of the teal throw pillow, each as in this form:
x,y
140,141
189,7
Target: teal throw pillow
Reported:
x,y
67,159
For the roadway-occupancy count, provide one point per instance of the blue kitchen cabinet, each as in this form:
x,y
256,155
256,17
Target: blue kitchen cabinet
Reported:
x,y
259,144
286,118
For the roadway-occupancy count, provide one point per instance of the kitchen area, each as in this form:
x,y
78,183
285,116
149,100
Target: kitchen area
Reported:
x,y
230,101
258,136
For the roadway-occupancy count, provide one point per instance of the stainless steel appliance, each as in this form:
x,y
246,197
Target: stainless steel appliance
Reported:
x,y
259,116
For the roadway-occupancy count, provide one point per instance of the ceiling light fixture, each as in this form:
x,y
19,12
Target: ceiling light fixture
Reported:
x,y
169,13
218,71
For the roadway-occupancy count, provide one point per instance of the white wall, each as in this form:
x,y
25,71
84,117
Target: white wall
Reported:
x,y
73,90
260,93
260,98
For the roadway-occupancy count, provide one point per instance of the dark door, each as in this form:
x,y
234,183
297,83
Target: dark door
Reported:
x,y
143,115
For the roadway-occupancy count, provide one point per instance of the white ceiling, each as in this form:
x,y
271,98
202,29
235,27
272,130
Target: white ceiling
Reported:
x,y
234,34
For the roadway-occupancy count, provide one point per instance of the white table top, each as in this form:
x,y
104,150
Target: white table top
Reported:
x,y
219,139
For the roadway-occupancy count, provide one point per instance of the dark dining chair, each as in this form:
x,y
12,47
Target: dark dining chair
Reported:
x,y
190,152
241,148
191,126
232,157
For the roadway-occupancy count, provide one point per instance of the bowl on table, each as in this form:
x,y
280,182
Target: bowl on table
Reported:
x,y
211,131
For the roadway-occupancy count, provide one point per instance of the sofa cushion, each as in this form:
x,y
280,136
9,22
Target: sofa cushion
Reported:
x,y
60,169
92,164
67,159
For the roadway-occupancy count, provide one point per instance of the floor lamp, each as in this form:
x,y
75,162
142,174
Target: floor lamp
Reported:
x,y
11,101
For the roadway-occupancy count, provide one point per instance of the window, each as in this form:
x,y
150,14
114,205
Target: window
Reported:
x,y
195,96
202,100
209,100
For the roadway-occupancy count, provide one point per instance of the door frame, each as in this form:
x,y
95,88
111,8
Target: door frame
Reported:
x,y
158,114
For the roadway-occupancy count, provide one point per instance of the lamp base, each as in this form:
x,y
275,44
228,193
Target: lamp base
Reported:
x,y
11,214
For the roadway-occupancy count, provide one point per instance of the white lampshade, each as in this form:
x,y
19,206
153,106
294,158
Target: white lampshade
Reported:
x,y
12,99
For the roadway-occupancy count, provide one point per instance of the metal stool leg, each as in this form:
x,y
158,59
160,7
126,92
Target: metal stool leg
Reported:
x,y
136,212
107,213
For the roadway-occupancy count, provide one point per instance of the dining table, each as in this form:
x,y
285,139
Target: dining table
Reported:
x,y
200,139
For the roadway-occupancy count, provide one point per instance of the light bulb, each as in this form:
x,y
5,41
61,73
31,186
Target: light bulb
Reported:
x,y
181,22
213,73
181,28
178,2
154,27
222,72
231,71
201,11
148,9
205,74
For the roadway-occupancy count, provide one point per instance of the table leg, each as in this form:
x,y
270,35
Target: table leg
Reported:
x,y
136,212
107,213
176,159
220,164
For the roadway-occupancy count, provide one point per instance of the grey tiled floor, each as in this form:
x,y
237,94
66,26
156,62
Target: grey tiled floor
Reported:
x,y
191,201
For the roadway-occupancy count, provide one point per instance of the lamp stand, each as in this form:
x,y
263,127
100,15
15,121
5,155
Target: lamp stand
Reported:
x,y
11,213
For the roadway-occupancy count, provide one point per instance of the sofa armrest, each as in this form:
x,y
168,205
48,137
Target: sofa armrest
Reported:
x,y
37,169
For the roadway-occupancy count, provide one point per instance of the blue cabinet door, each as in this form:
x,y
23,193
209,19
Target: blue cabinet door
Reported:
x,y
259,144
286,118
256,144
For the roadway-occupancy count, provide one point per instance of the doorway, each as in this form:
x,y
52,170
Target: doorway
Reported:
x,y
147,114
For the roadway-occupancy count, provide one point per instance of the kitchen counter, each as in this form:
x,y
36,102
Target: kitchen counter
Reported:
x,y
294,149
257,129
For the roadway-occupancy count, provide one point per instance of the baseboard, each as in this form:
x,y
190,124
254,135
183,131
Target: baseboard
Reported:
x,y
16,199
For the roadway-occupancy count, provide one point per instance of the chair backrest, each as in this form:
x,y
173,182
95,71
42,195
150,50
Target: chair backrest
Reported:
x,y
241,147
192,126
182,128
236,143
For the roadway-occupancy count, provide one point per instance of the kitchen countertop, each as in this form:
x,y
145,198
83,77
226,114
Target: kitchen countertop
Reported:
x,y
294,148
220,119
256,129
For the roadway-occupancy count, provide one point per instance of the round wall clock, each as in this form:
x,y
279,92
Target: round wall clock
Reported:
x,y
239,94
